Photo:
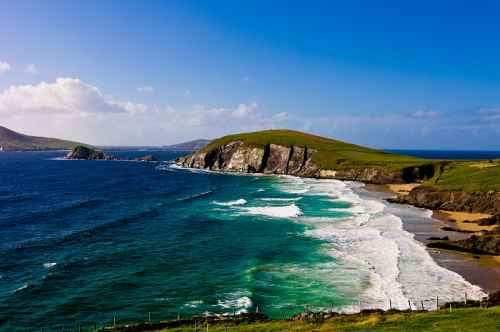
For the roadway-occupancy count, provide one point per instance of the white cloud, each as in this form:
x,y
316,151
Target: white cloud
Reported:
x,y
31,69
146,89
65,96
4,67
72,109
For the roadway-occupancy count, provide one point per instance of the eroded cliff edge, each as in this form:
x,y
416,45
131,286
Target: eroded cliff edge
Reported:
x,y
295,160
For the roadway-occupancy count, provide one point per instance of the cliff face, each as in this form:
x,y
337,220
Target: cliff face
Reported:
x,y
237,157
425,197
292,160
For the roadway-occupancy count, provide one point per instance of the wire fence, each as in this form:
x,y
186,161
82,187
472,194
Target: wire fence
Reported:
x,y
201,322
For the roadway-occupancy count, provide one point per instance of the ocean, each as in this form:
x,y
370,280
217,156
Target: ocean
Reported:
x,y
82,242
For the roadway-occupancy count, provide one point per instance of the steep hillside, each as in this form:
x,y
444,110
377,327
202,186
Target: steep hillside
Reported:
x,y
296,153
13,141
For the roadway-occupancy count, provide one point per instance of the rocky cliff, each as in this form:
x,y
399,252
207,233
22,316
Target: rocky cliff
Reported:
x,y
292,160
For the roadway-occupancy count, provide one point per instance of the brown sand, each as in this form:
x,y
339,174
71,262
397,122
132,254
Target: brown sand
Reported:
x,y
402,189
465,221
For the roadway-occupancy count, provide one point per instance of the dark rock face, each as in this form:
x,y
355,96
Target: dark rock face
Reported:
x,y
271,159
83,152
487,243
425,197
86,153
148,157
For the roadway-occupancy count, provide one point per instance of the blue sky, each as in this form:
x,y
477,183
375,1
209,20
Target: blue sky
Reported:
x,y
383,74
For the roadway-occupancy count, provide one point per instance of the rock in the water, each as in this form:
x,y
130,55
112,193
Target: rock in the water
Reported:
x,y
148,157
83,152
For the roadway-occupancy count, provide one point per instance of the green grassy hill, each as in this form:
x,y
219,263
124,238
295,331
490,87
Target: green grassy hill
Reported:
x,y
331,154
13,141
469,176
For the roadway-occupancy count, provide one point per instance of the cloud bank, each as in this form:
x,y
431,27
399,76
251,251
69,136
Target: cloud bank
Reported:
x,y
72,109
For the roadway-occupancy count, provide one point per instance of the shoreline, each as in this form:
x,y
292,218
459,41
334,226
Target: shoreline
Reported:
x,y
481,270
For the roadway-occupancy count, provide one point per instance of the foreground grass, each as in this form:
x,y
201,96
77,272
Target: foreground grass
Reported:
x,y
467,319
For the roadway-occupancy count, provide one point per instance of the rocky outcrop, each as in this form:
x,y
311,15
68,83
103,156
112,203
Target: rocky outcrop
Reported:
x,y
238,157
430,198
292,160
149,158
487,243
83,152
86,153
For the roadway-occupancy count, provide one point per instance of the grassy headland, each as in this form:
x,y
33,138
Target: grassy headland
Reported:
x,y
331,153
14,141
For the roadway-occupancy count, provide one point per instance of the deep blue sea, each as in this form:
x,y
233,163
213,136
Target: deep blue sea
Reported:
x,y
86,241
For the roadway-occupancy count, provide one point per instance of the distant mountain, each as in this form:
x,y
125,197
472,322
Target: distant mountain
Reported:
x,y
14,141
188,146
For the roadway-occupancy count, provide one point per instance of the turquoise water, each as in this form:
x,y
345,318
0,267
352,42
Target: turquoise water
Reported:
x,y
86,241
83,241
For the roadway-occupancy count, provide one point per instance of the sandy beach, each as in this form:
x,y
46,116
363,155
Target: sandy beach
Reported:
x,y
481,270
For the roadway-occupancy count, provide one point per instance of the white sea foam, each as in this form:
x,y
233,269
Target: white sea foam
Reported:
x,y
49,265
240,201
289,211
239,304
390,263
21,288
276,199
193,304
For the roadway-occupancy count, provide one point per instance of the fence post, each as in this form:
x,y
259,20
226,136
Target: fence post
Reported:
x,y
422,303
437,302
450,307
390,304
178,316
409,304
257,310
149,316
114,320
465,298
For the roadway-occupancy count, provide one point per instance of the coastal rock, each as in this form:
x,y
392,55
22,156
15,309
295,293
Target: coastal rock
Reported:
x,y
83,152
277,159
148,158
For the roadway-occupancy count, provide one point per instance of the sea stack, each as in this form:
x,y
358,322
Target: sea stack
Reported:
x,y
86,153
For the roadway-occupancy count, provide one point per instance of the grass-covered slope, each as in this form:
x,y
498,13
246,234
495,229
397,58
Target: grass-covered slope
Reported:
x,y
13,141
469,176
331,154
